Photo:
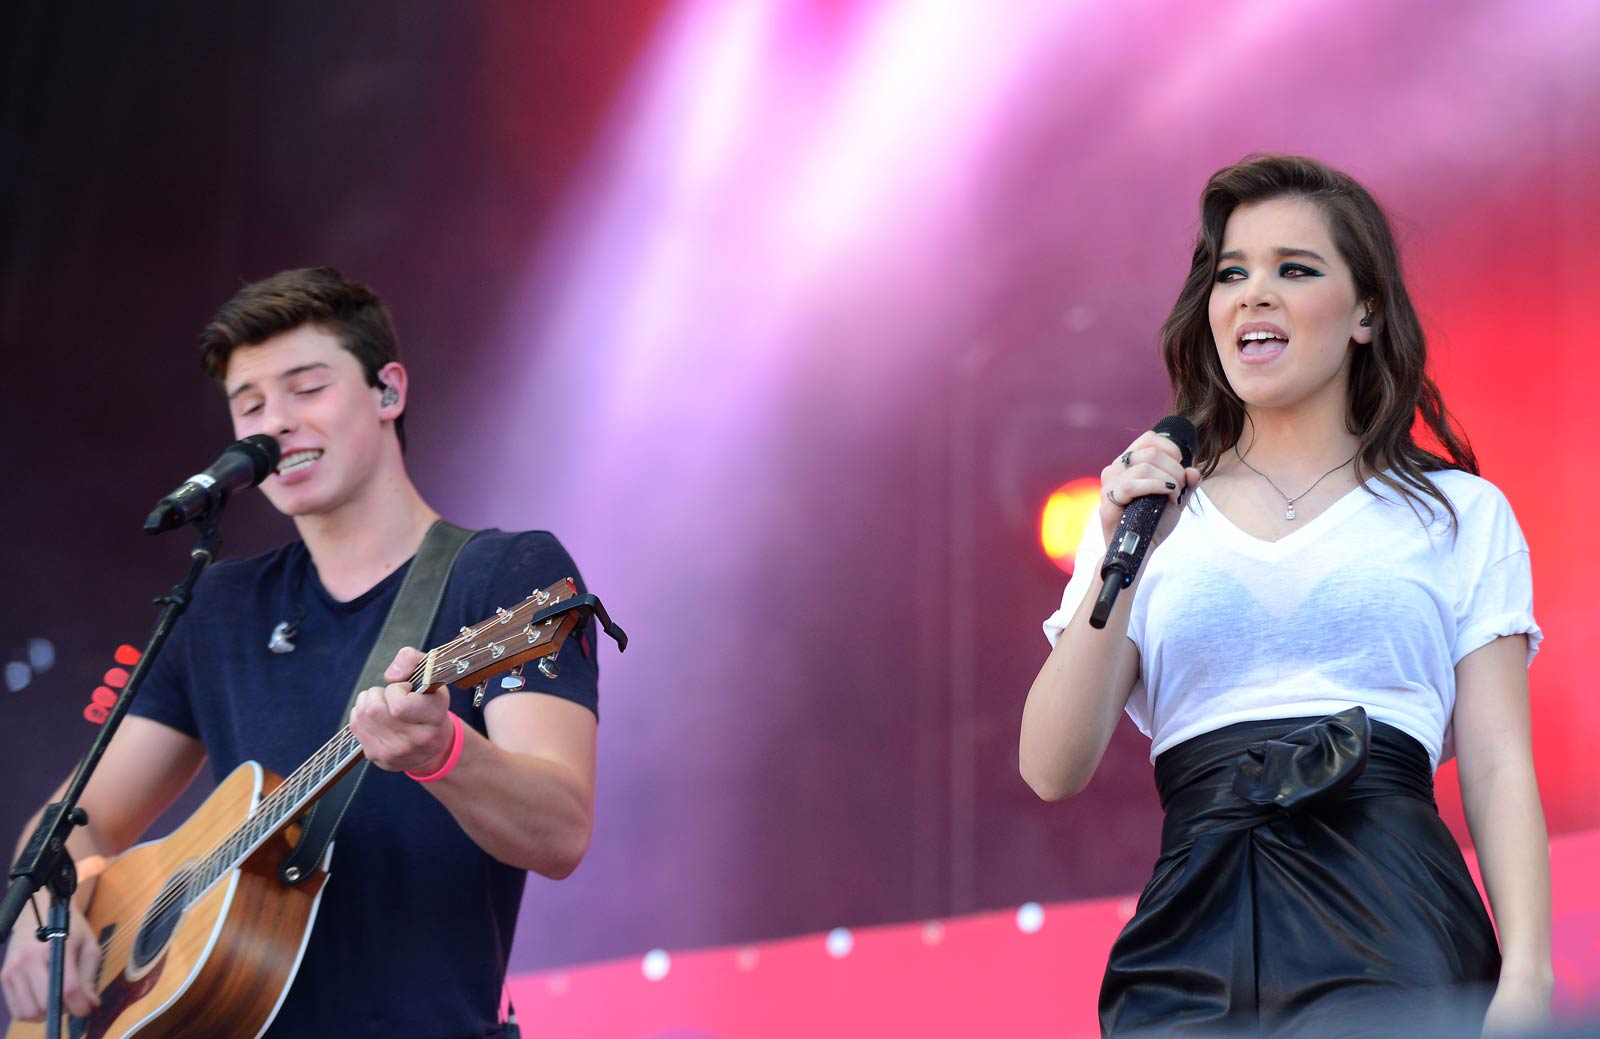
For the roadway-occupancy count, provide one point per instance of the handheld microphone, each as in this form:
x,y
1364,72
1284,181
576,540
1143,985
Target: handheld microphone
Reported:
x,y
244,464
1131,539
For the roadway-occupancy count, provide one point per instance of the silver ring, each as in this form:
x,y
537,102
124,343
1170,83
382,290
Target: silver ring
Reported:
x,y
1112,498
1127,458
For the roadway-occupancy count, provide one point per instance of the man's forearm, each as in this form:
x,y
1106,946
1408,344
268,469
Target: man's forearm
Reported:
x,y
524,810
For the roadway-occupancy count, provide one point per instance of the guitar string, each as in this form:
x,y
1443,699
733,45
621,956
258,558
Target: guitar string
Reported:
x,y
346,742
207,867
274,803
271,806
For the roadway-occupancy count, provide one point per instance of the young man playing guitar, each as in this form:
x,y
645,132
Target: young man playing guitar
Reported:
x,y
414,926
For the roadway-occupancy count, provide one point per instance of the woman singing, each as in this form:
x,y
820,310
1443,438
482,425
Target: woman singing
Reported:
x,y
1331,610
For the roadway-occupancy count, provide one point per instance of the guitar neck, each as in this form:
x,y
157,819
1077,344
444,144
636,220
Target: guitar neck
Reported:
x,y
304,785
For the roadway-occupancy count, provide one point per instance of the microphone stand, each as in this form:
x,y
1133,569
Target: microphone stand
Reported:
x,y
44,862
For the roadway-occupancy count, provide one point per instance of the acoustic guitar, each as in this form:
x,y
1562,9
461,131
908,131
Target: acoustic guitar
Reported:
x,y
199,937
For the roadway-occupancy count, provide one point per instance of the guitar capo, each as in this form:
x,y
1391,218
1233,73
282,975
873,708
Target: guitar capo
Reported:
x,y
591,607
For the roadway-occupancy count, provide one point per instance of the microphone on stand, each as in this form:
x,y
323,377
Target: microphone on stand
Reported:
x,y
1131,540
244,464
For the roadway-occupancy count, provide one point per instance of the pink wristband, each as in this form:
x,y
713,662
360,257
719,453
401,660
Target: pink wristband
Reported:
x,y
456,739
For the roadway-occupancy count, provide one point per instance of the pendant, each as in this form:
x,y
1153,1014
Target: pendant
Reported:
x,y
1288,511
278,641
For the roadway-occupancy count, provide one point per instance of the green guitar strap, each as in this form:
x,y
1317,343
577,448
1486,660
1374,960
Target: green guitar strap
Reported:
x,y
408,623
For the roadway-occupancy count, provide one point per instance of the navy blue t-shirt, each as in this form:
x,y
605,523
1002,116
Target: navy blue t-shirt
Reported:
x,y
414,928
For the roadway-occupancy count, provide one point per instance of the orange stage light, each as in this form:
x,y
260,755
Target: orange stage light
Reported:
x,y
1062,521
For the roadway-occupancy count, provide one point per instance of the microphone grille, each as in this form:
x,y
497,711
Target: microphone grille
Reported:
x,y
263,452
1181,432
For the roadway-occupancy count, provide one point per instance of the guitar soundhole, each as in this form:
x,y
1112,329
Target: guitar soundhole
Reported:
x,y
160,921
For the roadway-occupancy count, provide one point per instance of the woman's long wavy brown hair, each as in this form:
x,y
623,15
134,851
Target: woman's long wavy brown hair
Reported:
x,y
1389,390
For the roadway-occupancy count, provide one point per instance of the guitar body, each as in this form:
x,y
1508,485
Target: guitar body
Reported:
x,y
224,967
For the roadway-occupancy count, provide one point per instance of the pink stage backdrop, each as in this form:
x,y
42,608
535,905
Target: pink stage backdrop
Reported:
x,y
1028,973
842,292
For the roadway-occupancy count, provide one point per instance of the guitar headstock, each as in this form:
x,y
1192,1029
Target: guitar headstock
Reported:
x,y
504,641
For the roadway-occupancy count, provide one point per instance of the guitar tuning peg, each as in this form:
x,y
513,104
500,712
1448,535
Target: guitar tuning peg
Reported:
x,y
513,679
548,668
478,691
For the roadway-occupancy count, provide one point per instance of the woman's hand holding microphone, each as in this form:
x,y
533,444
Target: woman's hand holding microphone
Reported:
x,y
1152,464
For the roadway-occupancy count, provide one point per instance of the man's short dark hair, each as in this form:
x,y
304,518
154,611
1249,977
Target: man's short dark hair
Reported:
x,y
319,296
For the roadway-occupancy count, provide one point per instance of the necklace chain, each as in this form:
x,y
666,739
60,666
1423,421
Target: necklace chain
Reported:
x,y
1288,502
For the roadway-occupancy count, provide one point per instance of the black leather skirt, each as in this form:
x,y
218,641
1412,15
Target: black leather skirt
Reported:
x,y
1306,886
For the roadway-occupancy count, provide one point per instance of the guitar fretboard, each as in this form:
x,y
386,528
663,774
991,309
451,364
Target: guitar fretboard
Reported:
x,y
275,811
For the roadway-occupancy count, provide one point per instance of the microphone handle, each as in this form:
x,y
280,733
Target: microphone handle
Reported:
x,y
1129,543
244,464
1102,606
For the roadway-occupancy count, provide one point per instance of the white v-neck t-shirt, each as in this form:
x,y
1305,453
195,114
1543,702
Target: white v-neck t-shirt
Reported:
x,y
1363,604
